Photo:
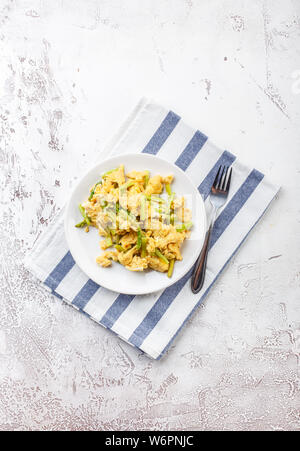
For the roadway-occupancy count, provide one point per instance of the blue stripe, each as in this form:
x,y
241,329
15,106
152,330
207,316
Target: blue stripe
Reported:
x,y
167,297
225,159
85,294
157,311
116,309
191,150
235,204
162,133
60,271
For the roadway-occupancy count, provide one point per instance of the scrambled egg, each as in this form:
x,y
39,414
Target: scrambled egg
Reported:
x,y
145,227
106,258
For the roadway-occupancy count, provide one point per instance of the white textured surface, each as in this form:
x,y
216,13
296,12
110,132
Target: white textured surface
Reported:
x,y
70,72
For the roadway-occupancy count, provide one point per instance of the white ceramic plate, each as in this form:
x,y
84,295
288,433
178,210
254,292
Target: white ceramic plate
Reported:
x,y
85,247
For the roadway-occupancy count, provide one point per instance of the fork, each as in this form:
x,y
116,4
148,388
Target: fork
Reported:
x,y
218,196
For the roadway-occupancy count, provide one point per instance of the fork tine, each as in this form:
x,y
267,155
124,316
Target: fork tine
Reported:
x,y
221,177
222,187
215,184
228,181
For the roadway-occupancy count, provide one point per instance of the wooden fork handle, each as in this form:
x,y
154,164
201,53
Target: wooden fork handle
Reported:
x,y
198,276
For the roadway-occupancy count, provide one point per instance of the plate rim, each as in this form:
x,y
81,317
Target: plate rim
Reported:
x,y
170,281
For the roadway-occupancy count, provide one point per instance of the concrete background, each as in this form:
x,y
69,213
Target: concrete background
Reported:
x,y
70,72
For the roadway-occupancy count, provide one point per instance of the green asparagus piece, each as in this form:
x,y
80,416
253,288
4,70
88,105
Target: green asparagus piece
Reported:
x,y
171,267
139,239
171,199
93,190
119,248
188,225
81,224
82,211
155,198
109,172
161,256
103,203
144,243
146,179
126,185
108,241
185,226
168,189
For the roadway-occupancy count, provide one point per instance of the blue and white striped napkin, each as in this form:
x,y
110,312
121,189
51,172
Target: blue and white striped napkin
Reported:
x,y
151,322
